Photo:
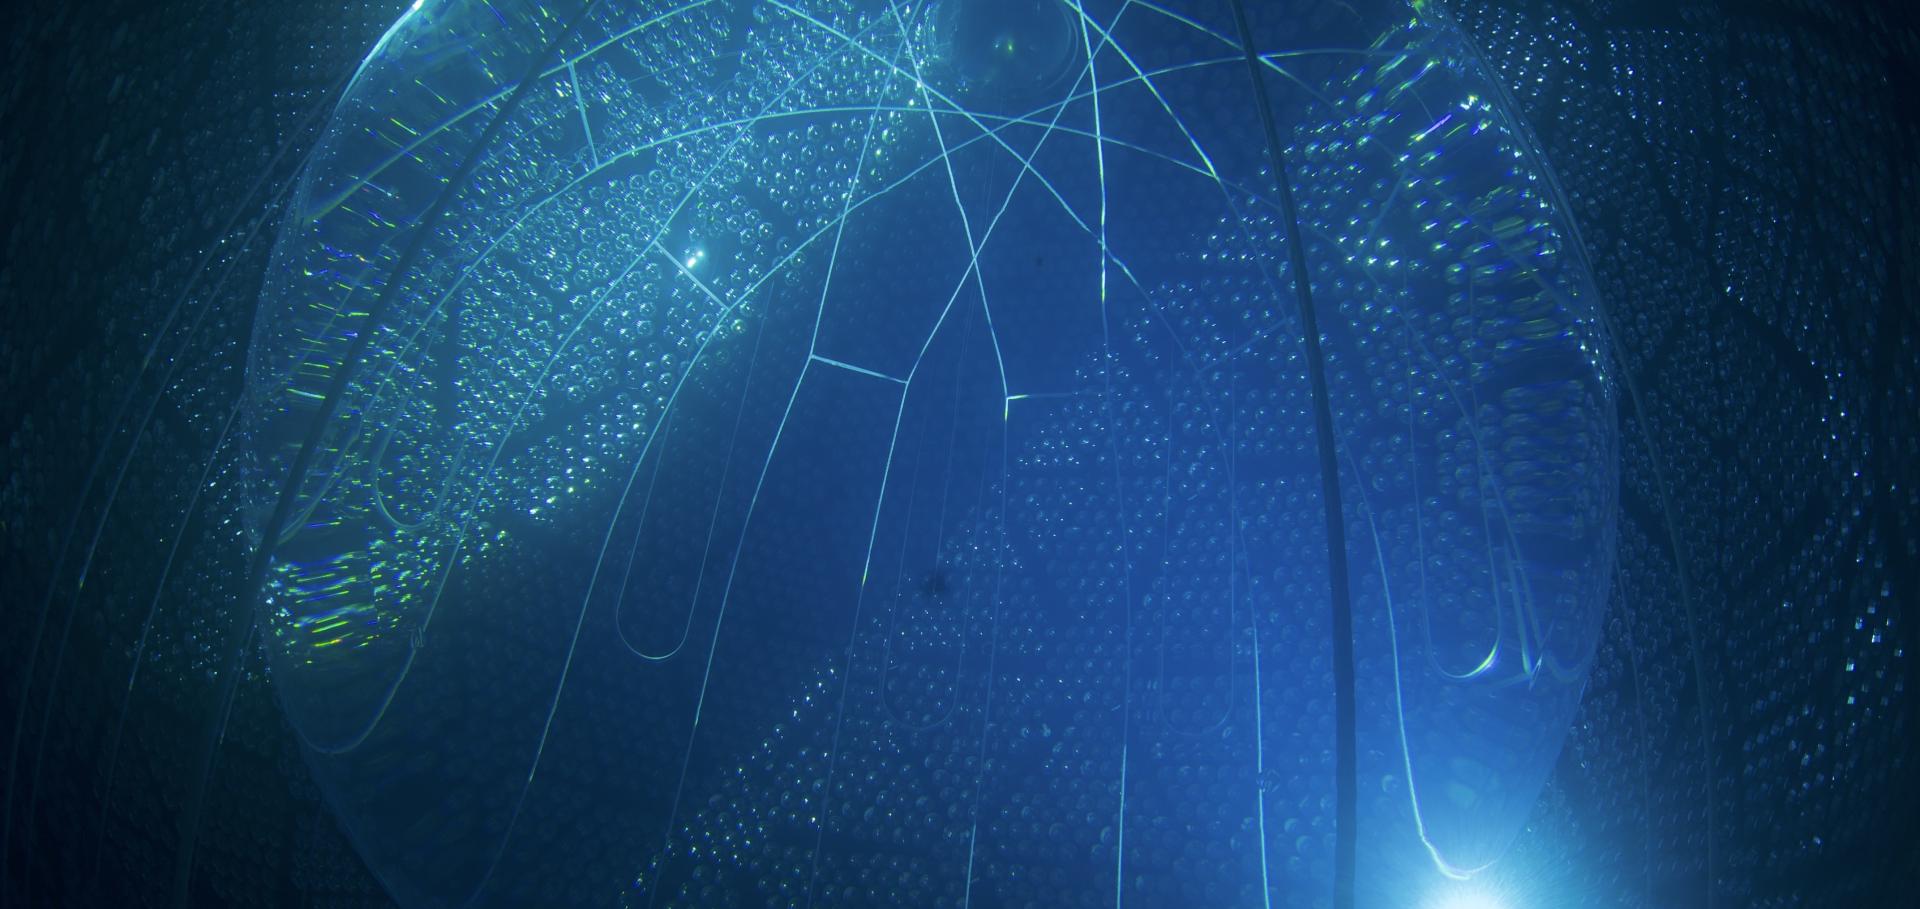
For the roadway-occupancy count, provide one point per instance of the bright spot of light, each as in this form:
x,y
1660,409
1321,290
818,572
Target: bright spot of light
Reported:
x,y
1467,899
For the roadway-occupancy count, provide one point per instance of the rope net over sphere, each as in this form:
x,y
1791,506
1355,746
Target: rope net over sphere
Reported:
x,y
858,453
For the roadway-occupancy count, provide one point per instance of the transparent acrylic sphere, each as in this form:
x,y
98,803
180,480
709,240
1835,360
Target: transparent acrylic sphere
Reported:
x,y
756,444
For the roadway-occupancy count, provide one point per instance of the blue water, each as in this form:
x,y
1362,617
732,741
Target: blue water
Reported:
x,y
851,454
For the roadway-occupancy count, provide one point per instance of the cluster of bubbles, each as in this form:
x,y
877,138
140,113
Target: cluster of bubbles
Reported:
x,y
845,453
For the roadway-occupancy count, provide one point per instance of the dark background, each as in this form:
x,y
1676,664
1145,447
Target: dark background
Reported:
x,y
1743,173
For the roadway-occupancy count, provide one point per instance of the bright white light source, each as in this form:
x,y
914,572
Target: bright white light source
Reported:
x,y
1466,899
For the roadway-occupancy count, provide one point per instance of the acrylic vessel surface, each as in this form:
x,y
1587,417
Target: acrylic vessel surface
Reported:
x,y
747,439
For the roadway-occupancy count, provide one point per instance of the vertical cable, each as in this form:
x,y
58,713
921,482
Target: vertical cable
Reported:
x,y
1345,800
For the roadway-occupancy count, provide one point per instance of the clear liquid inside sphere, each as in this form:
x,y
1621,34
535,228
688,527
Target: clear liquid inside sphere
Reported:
x,y
743,440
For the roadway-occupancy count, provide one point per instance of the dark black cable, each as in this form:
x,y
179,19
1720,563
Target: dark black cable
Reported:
x,y
1345,783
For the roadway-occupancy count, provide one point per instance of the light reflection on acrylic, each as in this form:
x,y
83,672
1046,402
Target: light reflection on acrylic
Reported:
x,y
767,436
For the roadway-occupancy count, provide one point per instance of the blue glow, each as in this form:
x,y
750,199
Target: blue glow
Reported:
x,y
678,495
